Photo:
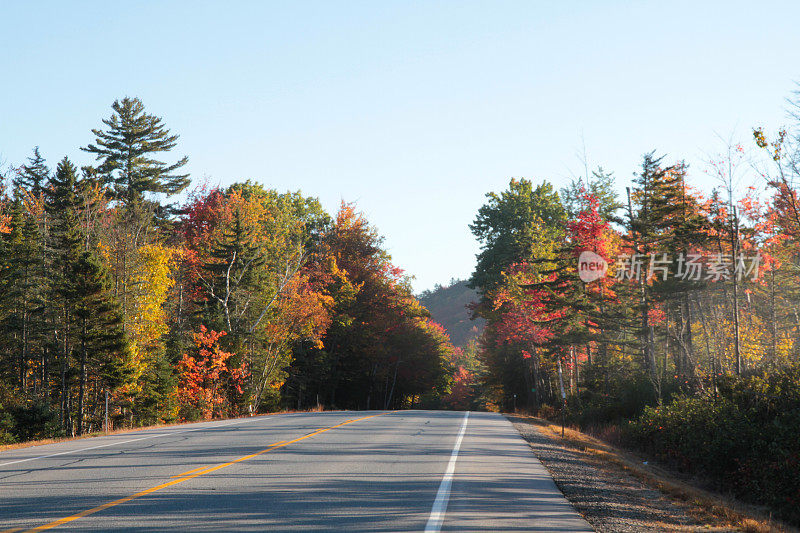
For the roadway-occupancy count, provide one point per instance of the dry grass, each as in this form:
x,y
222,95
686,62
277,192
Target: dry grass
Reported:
x,y
714,510
30,443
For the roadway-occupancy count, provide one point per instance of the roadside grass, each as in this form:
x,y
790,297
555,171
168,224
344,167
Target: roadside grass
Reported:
x,y
31,443
710,508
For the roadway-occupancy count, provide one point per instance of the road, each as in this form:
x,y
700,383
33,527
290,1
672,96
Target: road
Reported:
x,y
332,471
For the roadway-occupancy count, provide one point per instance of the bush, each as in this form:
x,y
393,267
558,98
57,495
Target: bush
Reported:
x,y
626,401
747,439
33,421
7,428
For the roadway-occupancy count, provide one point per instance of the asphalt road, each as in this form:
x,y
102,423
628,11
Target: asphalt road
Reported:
x,y
333,471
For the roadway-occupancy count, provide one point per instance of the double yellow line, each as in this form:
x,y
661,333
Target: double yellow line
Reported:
x,y
180,478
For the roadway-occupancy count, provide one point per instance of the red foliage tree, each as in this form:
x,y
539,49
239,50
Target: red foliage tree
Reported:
x,y
205,377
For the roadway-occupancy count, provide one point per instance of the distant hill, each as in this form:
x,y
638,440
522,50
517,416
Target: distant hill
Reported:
x,y
448,306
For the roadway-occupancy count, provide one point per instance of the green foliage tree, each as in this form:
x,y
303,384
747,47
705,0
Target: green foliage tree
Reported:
x,y
600,186
88,318
33,176
63,207
100,342
22,285
508,227
127,152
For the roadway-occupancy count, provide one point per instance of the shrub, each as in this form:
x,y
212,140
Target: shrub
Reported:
x,y
6,428
34,420
747,439
625,401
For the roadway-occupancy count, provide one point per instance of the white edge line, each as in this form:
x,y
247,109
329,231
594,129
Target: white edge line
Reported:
x,y
443,495
81,450
130,440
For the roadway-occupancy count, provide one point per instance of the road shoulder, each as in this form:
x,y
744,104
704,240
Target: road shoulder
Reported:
x,y
608,497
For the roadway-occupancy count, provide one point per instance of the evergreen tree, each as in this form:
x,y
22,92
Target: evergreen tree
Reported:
x,y
22,288
100,342
88,321
33,176
63,207
156,403
665,221
127,150
12,320
37,282
234,275
643,227
683,229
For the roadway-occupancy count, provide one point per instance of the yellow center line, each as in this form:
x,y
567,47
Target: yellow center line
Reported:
x,y
185,473
187,476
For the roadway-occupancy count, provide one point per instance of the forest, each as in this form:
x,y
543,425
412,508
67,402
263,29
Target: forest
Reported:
x,y
226,303
688,348
664,318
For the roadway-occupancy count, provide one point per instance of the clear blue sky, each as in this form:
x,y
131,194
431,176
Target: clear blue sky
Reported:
x,y
414,110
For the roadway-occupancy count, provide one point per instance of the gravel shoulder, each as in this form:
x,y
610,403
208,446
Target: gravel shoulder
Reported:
x,y
609,498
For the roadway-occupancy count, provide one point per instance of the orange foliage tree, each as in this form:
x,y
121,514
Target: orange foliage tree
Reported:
x,y
205,377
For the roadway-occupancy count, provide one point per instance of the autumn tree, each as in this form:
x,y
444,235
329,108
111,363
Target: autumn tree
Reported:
x,y
516,228
205,377
600,186
465,388
582,313
378,349
245,268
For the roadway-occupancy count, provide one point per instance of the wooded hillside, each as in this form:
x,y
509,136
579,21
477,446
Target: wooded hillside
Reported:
x,y
450,306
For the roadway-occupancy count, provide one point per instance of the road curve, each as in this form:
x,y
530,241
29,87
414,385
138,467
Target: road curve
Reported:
x,y
332,471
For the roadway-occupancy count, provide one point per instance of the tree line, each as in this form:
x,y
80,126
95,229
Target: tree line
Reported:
x,y
228,302
689,346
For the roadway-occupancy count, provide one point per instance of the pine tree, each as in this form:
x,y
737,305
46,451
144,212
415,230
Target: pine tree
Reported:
x,y
89,324
642,238
63,207
127,151
664,222
130,150
23,288
99,342
684,229
13,298
38,282
34,175
234,275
